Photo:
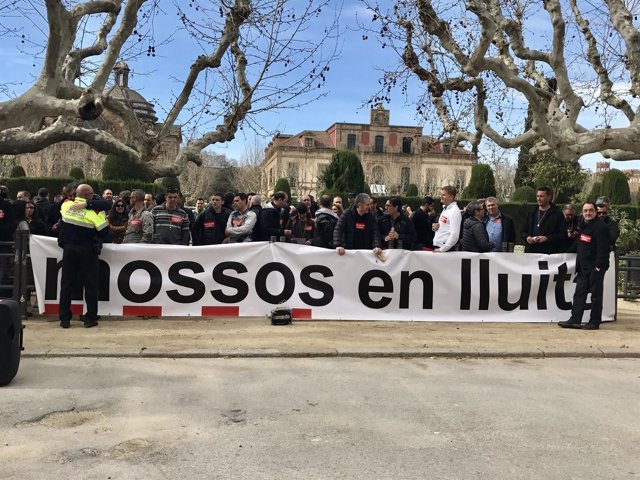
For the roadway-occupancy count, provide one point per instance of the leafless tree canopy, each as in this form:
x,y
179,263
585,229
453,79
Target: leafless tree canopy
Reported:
x,y
574,64
248,56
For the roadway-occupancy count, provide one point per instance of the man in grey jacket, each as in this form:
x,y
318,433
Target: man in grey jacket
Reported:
x,y
140,225
475,237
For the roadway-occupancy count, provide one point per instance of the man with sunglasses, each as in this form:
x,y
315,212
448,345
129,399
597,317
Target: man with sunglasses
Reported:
x,y
602,207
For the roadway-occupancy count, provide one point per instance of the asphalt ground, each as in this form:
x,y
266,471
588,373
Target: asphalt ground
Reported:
x,y
205,337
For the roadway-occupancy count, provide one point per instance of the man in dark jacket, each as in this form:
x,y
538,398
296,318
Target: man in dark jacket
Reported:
x,y
592,261
211,223
273,217
499,225
326,221
543,231
612,225
475,237
396,228
423,220
357,228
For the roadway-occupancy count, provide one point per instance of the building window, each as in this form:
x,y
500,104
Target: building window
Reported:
x,y
460,180
406,145
308,142
351,141
446,148
405,178
377,175
379,144
431,181
271,176
293,175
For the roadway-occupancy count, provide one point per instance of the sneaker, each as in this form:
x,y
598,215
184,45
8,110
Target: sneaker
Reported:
x,y
569,324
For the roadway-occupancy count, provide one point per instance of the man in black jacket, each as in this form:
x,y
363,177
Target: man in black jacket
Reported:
x,y
475,237
273,217
423,220
499,225
543,230
357,228
592,261
326,221
396,228
211,223
612,225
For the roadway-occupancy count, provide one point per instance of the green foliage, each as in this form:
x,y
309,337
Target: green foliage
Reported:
x,y
344,173
524,194
118,168
282,185
629,239
615,185
167,182
482,183
412,190
566,179
17,171
596,191
76,172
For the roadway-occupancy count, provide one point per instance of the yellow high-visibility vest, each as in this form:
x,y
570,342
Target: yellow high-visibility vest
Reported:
x,y
85,218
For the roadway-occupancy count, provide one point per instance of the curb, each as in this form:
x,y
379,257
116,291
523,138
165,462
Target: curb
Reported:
x,y
340,353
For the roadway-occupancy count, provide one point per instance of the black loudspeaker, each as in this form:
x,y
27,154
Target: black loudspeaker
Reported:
x,y
10,340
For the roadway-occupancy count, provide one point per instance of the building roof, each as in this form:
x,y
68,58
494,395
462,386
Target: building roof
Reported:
x,y
132,99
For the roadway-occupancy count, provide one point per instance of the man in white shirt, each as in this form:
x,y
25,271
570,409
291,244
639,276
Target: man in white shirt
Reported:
x,y
448,226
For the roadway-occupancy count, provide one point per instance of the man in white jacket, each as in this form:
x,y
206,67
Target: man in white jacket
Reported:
x,y
449,222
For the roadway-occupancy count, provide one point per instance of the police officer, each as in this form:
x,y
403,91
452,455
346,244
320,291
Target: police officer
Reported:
x,y
81,238
592,261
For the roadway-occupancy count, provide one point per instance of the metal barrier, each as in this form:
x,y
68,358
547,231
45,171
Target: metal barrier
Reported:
x,y
16,277
629,265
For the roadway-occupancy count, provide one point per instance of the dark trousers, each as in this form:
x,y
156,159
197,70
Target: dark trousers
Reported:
x,y
79,266
588,282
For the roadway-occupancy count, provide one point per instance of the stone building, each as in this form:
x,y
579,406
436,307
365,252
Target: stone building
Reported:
x,y
392,157
56,160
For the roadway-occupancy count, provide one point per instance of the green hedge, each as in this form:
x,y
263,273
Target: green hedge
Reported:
x,y
55,184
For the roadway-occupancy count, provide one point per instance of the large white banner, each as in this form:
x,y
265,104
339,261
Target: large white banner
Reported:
x,y
250,279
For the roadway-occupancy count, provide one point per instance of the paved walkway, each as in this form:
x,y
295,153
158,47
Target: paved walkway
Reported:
x,y
256,337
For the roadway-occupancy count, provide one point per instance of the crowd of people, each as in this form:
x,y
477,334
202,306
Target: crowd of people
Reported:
x,y
137,217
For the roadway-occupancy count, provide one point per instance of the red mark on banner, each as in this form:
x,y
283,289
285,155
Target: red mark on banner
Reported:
x,y
220,311
136,311
302,313
54,309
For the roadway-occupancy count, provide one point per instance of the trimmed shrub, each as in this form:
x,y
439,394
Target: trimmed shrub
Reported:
x,y
344,173
524,194
17,171
76,172
167,182
118,168
596,191
482,183
55,184
615,185
282,185
412,190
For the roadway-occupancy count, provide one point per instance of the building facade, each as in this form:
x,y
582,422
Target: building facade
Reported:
x,y
392,157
